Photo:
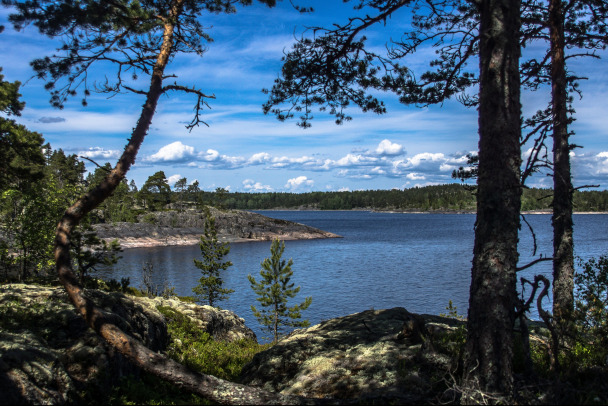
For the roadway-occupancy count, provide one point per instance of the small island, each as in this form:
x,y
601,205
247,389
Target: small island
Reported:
x,y
164,228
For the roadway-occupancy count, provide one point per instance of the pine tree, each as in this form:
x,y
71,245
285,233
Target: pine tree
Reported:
x,y
140,38
274,290
209,288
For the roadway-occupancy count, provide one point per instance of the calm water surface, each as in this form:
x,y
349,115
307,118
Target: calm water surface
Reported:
x,y
416,261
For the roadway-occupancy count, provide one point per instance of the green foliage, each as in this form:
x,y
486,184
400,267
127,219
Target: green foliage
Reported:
x,y
452,312
194,194
200,352
89,251
119,206
180,188
155,193
587,348
187,299
29,215
449,197
273,292
221,196
469,172
133,291
149,218
21,156
68,172
147,389
452,341
34,197
16,315
591,311
592,294
9,97
210,286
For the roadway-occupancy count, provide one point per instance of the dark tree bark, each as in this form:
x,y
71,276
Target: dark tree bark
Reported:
x,y
563,245
489,348
212,388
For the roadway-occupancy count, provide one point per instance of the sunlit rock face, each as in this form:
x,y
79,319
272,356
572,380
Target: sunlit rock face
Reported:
x,y
363,355
185,228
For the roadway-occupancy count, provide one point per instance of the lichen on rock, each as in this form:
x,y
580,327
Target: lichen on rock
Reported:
x,y
356,356
48,355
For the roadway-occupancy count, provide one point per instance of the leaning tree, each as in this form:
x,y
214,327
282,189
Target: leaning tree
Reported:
x,y
137,39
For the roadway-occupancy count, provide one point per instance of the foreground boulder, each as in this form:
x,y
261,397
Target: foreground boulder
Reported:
x,y
376,354
48,355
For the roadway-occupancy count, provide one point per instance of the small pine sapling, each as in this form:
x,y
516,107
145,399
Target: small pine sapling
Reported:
x,y
273,292
210,286
89,251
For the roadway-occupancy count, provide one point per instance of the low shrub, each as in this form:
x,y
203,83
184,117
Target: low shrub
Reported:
x,y
148,389
199,351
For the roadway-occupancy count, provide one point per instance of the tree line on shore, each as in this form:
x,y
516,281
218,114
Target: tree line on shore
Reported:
x,y
156,194
447,197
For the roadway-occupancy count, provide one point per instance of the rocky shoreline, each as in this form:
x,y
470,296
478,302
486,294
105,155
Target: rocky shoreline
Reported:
x,y
48,355
168,228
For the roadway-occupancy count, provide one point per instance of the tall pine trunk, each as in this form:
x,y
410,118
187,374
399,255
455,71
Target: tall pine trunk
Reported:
x,y
563,246
489,348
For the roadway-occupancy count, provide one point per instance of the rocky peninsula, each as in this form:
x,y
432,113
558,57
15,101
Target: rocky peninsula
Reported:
x,y
166,228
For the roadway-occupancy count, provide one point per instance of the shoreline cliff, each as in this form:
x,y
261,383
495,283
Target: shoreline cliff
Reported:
x,y
168,228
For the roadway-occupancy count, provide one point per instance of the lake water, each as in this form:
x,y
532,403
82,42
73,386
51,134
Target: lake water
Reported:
x,y
416,261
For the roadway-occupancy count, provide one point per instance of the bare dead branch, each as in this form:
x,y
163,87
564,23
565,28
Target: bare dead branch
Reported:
x,y
536,261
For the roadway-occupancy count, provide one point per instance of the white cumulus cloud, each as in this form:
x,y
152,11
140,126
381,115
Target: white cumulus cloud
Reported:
x,y
389,148
259,158
210,155
426,157
252,186
173,178
98,152
173,152
415,176
300,181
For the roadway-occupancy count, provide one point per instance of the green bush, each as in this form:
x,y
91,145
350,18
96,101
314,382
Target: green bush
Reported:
x,y
199,351
151,390
149,218
452,342
591,313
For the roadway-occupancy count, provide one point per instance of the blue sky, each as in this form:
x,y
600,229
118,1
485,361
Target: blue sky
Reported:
x,y
244,150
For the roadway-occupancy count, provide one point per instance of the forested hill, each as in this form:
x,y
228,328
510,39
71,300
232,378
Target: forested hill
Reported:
x,y
449,197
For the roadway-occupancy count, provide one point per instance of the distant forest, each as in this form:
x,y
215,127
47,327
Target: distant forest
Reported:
x,y
128,202
449,197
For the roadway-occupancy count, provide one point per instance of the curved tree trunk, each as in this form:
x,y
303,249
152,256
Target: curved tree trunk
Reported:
x,y
489,347
212,388
563,245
